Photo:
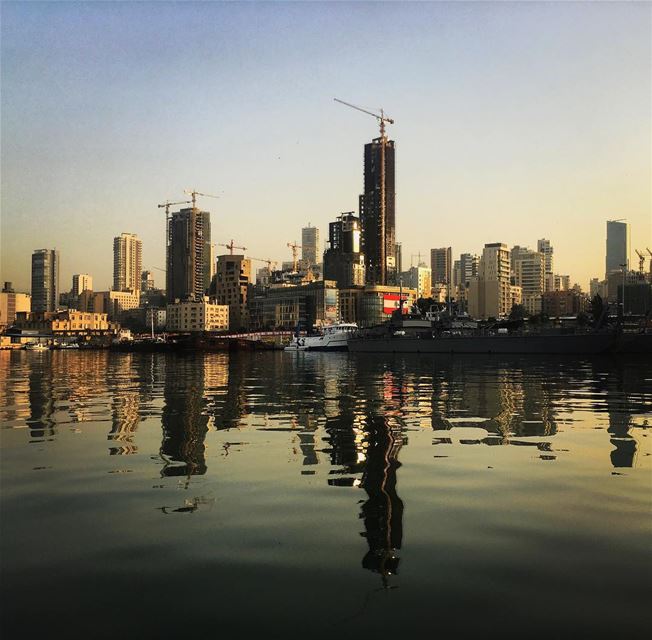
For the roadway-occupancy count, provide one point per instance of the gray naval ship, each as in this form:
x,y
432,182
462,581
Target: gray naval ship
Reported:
x,y
422,334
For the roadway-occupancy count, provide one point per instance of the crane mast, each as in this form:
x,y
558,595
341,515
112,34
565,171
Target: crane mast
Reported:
x,y
231,246
382,119
295,248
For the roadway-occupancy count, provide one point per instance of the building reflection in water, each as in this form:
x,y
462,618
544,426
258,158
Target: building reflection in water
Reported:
x,y
382,513
184,419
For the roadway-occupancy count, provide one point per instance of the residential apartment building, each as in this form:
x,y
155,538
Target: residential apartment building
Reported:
x,y
231,287
528,269
197,315
491,293
81,282
418,278
127,262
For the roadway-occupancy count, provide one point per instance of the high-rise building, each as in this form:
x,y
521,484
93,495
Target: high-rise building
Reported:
x,y
81,282
617,246
310,245
544,247
45,279
441,265
188,270
528,268
232,288
343,261
491,294
377,212
127,262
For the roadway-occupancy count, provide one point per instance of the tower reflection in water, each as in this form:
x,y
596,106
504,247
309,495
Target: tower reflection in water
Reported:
x,y
382,513
184,420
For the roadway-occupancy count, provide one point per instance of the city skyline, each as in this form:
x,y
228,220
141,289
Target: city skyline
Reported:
x,y
538,130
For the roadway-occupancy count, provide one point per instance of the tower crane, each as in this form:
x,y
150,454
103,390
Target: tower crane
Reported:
x,y
382,119
231,246
193,194
167,204
295,249
650,252
641,260
271,264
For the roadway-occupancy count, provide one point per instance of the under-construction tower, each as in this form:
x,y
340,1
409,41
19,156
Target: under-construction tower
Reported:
x,y
188,254
377,205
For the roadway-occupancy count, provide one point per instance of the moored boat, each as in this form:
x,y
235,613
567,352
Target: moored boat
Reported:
x,y
333,337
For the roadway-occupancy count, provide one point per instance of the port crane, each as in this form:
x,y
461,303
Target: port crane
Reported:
x,y
650,252
231,246
295,250
382,119
193,194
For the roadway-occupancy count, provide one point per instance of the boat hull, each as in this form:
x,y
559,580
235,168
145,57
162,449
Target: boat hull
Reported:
x,y
544,344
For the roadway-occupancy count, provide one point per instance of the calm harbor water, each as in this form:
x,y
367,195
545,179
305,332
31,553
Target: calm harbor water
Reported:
x,y
324,495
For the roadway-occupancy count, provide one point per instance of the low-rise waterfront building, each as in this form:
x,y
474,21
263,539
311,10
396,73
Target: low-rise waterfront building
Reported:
x,y
12,303
284,306
197,315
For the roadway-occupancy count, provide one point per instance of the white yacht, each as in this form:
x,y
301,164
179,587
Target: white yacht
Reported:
x,y
334,337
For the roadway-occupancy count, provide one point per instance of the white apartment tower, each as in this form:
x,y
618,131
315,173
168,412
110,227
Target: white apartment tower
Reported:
x,y
81,282
127,262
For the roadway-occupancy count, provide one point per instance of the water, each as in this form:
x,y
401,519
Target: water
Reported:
x,y
324,495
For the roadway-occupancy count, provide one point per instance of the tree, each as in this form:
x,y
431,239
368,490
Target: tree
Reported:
x,y
517,312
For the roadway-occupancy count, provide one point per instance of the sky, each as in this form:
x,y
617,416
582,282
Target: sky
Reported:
x,y
514,121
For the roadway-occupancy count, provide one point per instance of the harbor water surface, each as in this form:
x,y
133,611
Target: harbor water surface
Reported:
x,y
324,495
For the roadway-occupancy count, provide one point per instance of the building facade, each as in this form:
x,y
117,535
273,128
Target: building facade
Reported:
x,y
418,278
231,288
372,305
81,282
378,212
127,262
441,265
528,268
310,245
197,315
343,261
618,249
12,303
188,251
284,307
544,247
146,281
491,293
45,280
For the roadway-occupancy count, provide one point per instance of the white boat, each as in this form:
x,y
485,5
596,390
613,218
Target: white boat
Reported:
x,y
36,346
334,337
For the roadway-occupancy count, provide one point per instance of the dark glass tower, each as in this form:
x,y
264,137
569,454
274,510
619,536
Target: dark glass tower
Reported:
x,y
188,254
377,212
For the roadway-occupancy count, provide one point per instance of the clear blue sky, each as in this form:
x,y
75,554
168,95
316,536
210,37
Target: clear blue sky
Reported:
x,y
514,121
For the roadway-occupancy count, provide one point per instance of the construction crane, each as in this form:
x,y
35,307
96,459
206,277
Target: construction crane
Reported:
x,y
167,204
271,264
231,246
650,252
193,194
641,260
382,119
295,250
